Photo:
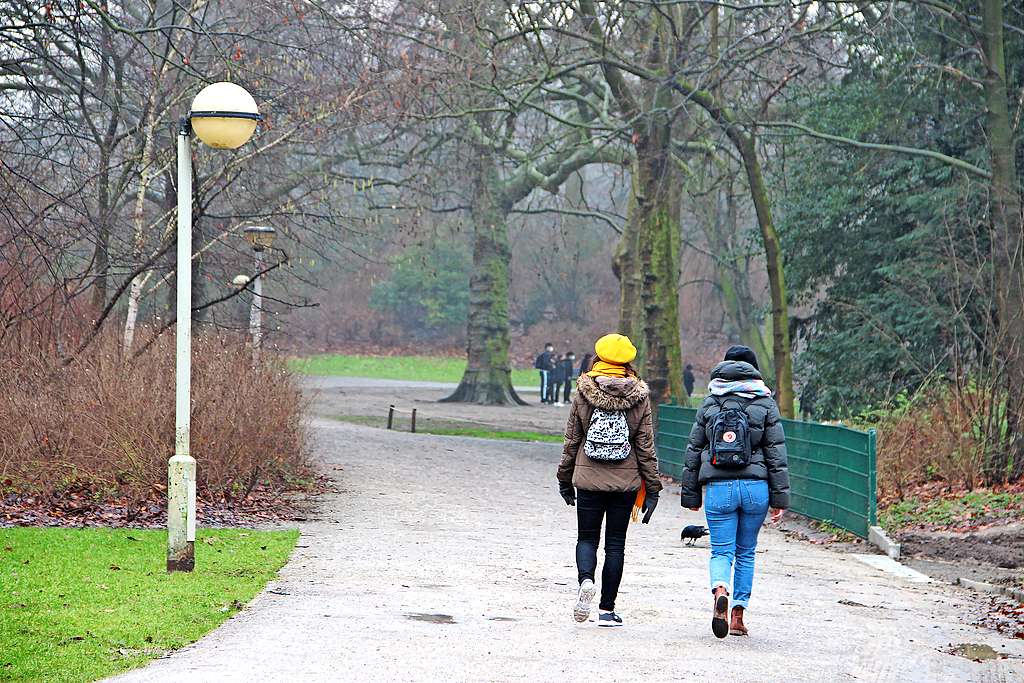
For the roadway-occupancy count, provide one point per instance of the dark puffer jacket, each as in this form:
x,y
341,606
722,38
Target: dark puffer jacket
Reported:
x,y
768,460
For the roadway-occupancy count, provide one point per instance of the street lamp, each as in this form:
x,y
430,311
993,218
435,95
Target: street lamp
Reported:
x,y
224,116
261,237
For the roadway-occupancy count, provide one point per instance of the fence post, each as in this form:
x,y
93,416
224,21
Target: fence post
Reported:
x,y
391,415
413,420
872,478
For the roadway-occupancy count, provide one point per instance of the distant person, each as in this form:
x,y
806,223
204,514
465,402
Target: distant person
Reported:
x,y
557,378
552,391
584,366
567,372
607,460
737,449
543,364
688,380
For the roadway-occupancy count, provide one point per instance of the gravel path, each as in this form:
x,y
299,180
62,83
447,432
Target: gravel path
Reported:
x,y
427,526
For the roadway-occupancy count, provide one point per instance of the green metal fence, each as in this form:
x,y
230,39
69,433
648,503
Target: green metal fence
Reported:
x,y
831,469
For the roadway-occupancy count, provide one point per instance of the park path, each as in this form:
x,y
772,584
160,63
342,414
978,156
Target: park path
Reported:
x,y
427,525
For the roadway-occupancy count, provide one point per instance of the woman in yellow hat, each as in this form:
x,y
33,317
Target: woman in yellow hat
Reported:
x,y
608,466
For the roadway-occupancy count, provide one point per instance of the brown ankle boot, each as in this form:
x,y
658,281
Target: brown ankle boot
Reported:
x,y
719,625
736,627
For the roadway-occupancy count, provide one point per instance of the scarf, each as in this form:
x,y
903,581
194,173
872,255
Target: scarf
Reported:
x,y
603,369
747,388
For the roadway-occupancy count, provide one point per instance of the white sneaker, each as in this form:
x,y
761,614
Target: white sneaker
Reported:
x,y
583,599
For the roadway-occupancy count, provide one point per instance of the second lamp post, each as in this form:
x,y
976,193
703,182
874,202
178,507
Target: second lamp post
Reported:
x,y
261,237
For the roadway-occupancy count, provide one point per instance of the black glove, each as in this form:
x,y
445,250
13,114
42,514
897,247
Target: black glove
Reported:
x,y
650,502
567,492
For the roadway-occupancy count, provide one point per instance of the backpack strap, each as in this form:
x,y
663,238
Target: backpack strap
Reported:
x,y
721,401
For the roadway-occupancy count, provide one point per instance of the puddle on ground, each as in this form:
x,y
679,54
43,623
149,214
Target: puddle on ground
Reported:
x,y
979,652
431,618
502,619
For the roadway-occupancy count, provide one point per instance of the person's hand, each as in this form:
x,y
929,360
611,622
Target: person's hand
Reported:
x,y
776,515
650,502
696,509
567,492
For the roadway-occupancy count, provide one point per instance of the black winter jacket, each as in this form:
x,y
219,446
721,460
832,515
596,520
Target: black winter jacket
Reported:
x,y
564,370
768,460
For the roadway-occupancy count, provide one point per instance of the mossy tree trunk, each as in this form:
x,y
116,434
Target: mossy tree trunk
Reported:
x,y
656,193
781,349
488,375
626,266
1005,202
647,257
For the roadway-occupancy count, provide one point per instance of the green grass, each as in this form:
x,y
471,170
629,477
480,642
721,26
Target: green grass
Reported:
x,y
414,368
951,511
490,434
450,428
83,604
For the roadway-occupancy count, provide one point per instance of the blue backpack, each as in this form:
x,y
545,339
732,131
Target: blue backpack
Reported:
x,y
730,435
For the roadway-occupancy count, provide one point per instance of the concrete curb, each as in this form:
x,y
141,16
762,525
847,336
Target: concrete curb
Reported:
x,y
1015,593
877,537
891,566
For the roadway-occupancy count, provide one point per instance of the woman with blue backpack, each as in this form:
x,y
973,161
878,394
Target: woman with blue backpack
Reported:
x,y
737,452
608,468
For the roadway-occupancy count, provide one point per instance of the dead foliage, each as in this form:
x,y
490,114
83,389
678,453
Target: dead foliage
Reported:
x,y
946,437
101,428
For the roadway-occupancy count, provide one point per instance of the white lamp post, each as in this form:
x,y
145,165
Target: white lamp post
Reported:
x,y
223,115
261,237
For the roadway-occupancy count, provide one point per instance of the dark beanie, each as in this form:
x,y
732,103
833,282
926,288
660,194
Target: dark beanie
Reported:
x,y
742,353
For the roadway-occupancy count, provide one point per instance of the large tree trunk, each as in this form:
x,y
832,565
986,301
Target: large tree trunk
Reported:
x,y
626,266
776,276
1007,240
488,376
656,193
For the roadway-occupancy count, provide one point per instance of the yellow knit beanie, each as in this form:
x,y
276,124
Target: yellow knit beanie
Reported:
x,y
615,348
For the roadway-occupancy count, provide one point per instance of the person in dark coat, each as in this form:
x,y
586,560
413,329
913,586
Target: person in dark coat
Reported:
x,y
688,380
736,500
584,366
567,373
543,365
556,379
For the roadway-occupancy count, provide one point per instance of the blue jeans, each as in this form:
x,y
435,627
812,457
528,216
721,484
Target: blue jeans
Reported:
x,y
735,510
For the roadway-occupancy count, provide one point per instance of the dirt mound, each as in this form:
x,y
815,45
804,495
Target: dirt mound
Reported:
x,y
1001,546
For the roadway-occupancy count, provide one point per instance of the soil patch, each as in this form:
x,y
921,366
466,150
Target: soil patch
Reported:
x,y
1000,546
807,530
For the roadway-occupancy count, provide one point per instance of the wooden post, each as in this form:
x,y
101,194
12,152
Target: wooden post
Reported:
x,y
413,420
391,415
